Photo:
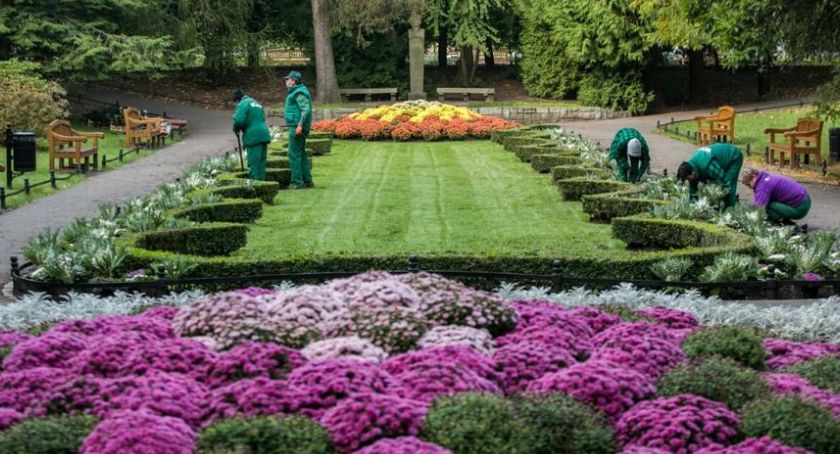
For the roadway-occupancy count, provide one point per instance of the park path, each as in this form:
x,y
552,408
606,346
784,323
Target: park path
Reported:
x,y
668,153
209,135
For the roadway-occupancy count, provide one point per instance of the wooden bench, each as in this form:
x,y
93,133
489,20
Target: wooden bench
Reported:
x,y
67,143
804,138
139,127
346,93
489,94
719,126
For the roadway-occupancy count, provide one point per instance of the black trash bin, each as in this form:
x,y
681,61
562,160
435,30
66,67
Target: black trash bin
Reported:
x,y
23,145
834,144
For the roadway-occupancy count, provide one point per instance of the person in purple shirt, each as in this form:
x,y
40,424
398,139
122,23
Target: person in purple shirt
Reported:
x,y
784,199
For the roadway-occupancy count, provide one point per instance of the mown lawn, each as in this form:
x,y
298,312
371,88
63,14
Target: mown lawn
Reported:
x,y
110,146
387,197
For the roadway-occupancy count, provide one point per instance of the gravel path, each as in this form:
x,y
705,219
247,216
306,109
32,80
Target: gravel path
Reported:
x,y
667,153
209,134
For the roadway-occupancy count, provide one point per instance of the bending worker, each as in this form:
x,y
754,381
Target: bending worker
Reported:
x,y
298,113
719,163
631,154
784,199
249,118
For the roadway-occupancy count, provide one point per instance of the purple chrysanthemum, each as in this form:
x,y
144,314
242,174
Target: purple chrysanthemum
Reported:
x,y
364,418
783,353
670,318
763,445
252,360
403,445
521,363
54,350
457,355
140,432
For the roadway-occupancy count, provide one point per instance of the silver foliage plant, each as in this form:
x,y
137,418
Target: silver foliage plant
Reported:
x,y
814,322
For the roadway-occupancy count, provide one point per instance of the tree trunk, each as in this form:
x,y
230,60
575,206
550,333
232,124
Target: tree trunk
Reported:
x,y
695,75
253,52
443,48
489,59
474,66
326,85
466,64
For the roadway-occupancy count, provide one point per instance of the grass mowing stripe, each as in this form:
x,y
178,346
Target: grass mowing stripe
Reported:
x,y
397,198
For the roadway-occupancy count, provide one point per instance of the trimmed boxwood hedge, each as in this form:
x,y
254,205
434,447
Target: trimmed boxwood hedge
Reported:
x,y
208,239
321,135
283,177
237,188
319,146
646,231
543,163
277,163
498,136
603,207
527,152
575,171
281,145
511,142
576,188
243,211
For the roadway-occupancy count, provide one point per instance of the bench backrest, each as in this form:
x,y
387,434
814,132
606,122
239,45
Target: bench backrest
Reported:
x,y
727,112
367,91
60,127
130,113
471,90
810,124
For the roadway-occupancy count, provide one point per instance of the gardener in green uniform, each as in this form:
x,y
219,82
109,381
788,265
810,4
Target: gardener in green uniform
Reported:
x,y
719,163
298,115
630,152
249,119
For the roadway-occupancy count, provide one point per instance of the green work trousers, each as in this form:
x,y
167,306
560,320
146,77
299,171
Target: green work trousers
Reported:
x,y
299,161
730,180
777,211
257,161
634,166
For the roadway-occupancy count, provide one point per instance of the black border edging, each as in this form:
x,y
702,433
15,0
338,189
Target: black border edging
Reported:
x,y
770,289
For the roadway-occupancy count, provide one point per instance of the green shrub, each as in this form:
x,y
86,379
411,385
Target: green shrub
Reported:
x,y
499,135
531,138
731,267
265,435
715,378
543,163
627,93
277,163
740,344
4,352
577,171
29,102
276,175
576,188
279,146
559,424
821,372
234,188
208,239
605,207
526,153
242,211
475,424
794,422
672,269
321,135
318,147
625,313
53,435
547,70
649,232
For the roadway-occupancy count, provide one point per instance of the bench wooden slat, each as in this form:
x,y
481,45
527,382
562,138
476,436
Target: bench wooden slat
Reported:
x,y
347,92
488,93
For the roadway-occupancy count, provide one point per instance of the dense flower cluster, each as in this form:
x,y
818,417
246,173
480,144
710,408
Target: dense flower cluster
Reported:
x,y
363,359
680,424
782,353
602,384
414,120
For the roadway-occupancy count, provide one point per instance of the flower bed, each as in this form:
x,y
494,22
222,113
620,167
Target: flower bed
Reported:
x,y
414,120
293,368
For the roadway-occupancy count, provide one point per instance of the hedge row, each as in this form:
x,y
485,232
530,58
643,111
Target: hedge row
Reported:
x,y
208,239
511,142
603,207
498,136
577,171
526,153
576,188
243,211
277,163
543,163
236,188
282,177
648,232
319,146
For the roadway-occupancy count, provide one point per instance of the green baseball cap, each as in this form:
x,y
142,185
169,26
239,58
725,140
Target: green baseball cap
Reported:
x,y
294,75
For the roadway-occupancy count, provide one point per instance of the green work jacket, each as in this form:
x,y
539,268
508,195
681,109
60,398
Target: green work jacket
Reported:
x,y
249,118
298,109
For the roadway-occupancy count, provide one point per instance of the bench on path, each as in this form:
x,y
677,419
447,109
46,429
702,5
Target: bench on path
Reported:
x,y
489,94
139,127
67,143
368,93
720,126
804,138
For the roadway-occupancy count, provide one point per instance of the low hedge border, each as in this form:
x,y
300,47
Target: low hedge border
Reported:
x,y
207,239
643,230
526,153
511,142
242,211
282,177
277,163
543,163
577,171
319,146
576,188
604,207
499,135
237,188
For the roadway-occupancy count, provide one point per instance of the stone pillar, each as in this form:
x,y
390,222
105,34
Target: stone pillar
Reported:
x,y
416,55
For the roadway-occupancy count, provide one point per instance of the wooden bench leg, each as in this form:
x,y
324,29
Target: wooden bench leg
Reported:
x,y
489,98
440,98
466,97
368,98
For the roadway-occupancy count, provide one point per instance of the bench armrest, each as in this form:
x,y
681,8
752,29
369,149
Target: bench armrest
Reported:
x,y
812,132
69,138
98,135
778,130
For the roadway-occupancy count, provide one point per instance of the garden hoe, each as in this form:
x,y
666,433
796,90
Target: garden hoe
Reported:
x,y
239,144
